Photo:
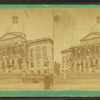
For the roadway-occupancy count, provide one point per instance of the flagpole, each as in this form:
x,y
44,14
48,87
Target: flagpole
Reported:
x,y
53,50
53,34
72,34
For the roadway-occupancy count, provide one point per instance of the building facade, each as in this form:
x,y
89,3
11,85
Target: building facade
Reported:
x,y
65,60
41,55
86,55
19,54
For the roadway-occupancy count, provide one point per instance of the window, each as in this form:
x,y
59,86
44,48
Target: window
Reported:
x,y
31,53
66,60
38,52
32,63
44,55
38,62
45,61
32,57
38,55
45,51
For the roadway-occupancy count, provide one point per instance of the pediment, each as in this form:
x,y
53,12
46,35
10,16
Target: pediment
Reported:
x,y
91,36
8,36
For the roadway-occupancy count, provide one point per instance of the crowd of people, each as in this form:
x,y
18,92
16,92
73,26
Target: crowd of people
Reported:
x,y
85,58
13,57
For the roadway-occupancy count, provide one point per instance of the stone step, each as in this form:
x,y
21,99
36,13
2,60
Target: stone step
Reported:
x,y
81,75
79,78
67,80
13,75
10,75
7,80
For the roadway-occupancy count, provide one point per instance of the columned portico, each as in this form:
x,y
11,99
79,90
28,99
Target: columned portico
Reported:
x,y
86,55
18,54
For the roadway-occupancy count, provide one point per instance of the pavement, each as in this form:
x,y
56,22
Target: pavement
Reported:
x,y
57,87
78,86
20,86
73,81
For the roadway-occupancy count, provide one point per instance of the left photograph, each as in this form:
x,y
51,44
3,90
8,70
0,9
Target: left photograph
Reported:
x,y
26,49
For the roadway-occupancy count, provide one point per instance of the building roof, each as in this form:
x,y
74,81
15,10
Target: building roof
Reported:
x,y
41,40
65,50
75,46
94,31
91,36
11,35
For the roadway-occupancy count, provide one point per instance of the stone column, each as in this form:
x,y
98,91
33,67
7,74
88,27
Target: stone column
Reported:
x,y
0,65
99,62
5,64
84,65
29,64
15,63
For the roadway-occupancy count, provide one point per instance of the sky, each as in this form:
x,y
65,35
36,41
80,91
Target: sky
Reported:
x,y
83,19
38,23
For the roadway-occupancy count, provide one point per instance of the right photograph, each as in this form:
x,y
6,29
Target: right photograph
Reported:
x,y
76,49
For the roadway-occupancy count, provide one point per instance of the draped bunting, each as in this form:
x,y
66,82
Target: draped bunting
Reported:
x,y
13,50
82,52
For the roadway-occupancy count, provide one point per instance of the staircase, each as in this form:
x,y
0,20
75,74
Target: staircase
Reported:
x,y
18,77
79,77
10,77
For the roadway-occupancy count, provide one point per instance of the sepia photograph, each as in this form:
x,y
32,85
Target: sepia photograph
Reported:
x,y
49,49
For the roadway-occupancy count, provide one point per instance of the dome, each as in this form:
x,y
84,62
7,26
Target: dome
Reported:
x,y
96,27
15,27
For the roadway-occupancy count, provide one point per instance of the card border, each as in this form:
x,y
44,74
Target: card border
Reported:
x,y
49,93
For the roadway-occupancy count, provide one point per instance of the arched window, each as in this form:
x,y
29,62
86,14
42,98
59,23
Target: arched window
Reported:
x,y
32,53
38,62
38,52
38,55
32,57
44,51
45,55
